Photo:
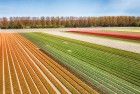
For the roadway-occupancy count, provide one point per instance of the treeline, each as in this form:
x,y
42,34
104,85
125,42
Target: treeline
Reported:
x,y
55,22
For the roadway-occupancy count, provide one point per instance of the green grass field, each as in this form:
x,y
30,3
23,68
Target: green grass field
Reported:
x,y
110,70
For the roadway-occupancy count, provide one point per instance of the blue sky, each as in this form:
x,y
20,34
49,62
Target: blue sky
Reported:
x,y
69,7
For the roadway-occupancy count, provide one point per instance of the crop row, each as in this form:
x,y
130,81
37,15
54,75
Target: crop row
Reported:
x,y
26,70
108,69
122,35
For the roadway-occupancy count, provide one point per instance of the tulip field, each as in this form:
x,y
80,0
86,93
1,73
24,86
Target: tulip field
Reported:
x,y
109,70
24,69
69,47
43,63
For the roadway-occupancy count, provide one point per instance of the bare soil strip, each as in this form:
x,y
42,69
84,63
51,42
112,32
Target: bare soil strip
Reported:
x,y
24,69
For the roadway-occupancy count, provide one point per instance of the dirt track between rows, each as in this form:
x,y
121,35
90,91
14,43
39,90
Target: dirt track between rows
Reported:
x,y
24,69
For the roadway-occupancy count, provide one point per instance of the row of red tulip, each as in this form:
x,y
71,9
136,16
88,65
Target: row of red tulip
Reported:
x,y
123,35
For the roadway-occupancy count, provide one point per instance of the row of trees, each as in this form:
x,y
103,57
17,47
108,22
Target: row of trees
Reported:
x,y
54,22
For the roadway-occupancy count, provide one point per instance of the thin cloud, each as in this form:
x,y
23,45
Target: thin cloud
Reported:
x,y
69,7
